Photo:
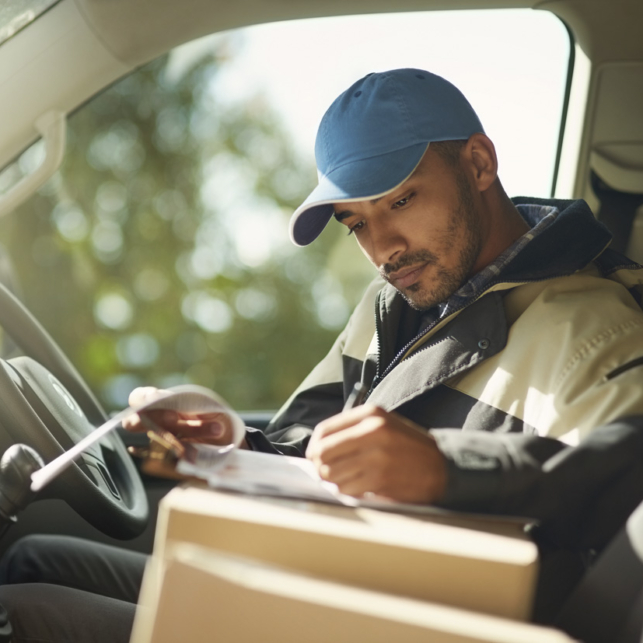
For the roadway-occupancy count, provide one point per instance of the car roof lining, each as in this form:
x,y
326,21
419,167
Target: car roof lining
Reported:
x,y
168,23
117,22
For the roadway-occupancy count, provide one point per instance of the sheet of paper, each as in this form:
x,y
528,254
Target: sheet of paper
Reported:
x,y
267,474
261,473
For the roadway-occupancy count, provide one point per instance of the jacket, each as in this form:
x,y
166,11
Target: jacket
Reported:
x,y
514,385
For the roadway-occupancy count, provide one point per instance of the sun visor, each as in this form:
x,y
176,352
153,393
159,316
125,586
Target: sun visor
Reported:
x,y
617,127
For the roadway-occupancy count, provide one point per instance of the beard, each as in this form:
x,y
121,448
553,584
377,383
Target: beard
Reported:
x,y
464,231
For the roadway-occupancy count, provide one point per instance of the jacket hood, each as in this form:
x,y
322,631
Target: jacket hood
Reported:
x,y
569,244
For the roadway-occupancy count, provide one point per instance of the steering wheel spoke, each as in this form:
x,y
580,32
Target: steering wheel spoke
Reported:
x,y
100,476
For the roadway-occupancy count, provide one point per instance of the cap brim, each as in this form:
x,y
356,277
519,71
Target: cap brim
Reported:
x,y
364,179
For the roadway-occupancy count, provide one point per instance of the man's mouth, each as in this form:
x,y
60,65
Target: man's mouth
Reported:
x,y
407,276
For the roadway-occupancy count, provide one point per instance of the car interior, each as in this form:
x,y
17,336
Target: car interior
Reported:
x,y
121,119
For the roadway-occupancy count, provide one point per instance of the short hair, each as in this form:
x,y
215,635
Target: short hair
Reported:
x,y
449,151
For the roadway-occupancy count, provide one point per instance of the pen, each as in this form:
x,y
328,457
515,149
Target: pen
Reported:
x,y
356,396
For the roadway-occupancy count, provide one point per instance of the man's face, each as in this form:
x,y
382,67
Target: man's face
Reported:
x,y
425,236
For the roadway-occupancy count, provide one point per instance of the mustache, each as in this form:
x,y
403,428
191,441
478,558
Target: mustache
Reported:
x,y
410,259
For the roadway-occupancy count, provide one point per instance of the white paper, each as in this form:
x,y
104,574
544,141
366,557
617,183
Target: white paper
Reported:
x,y
262,474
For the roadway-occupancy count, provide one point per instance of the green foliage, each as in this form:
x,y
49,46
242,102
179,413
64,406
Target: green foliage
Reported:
x,y
158,254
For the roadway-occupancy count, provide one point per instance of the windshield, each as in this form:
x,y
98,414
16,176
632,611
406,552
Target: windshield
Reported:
x,y
159,254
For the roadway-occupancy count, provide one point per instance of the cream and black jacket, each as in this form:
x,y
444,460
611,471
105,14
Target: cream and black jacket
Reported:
x,y
521,388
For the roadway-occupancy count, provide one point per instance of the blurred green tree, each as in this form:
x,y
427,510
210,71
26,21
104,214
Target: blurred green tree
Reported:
x,y
158,254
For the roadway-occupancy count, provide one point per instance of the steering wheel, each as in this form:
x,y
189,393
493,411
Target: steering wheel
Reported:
x,y
46,404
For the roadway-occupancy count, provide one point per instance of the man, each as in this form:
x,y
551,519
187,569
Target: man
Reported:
x,y
499,316
504,326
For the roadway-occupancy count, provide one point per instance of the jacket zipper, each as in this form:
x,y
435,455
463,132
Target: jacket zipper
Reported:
x,y
377,378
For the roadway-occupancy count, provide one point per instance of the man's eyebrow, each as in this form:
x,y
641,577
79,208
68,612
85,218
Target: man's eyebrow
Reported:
x,y
344,214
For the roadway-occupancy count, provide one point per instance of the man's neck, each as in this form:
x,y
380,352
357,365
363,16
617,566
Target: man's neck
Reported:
x,y
504,226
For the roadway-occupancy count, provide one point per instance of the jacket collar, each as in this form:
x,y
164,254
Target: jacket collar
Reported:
x,y
569,244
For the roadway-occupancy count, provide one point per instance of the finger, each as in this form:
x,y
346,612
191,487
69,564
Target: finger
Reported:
x,y
338,423
346,419
163,419
346,443
143,395
341,472
203,418
133,423
198,430
352,476
358,486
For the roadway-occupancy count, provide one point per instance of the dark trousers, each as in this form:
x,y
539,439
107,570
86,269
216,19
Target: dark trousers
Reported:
x,y
68,590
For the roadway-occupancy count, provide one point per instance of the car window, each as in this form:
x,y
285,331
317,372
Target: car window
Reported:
x,y
159,253
16,14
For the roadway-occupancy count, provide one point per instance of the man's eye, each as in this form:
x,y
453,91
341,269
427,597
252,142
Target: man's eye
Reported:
x,y
402,202
354,228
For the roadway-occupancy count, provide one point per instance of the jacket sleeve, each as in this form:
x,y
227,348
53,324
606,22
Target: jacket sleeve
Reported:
x,y
580,494
575,384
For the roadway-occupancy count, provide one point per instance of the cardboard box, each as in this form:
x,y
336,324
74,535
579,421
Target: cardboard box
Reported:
x,y
208,595
401,555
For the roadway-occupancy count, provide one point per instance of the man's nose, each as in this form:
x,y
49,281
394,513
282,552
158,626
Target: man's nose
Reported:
x,y
388,244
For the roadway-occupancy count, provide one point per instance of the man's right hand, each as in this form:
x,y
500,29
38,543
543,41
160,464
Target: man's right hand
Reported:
x,y
370,450
205,428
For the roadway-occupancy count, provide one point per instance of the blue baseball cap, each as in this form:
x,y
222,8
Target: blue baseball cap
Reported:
x,y
373,136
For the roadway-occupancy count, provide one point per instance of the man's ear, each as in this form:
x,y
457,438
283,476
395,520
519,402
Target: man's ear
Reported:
x,y
481,156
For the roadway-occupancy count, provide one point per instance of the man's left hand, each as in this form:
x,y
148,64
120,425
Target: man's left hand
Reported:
x,y
205,428
371,450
